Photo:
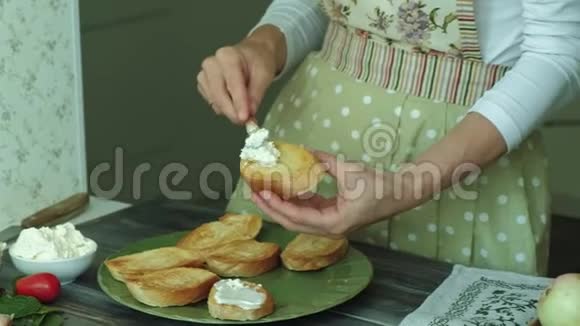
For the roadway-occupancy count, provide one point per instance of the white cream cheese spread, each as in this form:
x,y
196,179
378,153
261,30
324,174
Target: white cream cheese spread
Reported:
x,y
259,149
236,293
45,244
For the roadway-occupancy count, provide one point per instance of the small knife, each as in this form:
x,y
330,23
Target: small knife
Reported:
x,y
60,212
251,126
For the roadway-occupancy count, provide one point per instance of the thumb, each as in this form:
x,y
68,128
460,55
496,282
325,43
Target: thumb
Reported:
x,y
343,171
330,161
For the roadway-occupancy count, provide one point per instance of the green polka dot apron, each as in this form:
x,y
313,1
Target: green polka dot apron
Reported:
x,y
391,79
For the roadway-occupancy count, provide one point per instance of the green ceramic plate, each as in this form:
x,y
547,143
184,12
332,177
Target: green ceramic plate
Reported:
x,y
296,294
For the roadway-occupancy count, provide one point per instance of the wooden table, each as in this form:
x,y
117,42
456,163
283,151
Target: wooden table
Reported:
x,y
400,284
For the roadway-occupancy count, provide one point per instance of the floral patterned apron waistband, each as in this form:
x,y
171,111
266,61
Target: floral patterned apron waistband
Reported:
x,y
440,78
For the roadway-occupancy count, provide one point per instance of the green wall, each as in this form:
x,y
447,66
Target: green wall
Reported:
x,y
140,59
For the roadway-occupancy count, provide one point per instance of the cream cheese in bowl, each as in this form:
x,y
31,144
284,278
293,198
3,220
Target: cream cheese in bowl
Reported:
x,y
62,250
48,244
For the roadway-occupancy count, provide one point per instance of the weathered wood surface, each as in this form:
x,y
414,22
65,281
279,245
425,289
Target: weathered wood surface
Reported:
x,y
400,283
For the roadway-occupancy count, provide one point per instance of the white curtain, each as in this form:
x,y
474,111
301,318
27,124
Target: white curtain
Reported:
x,y
42,155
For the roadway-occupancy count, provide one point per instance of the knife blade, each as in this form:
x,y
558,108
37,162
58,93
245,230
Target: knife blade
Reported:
x,y
58,213
251,126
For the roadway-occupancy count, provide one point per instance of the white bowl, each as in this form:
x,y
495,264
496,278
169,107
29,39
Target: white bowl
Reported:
x,y
66,270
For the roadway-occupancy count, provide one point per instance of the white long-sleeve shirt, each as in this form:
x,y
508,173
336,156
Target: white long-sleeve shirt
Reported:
x,y
538,39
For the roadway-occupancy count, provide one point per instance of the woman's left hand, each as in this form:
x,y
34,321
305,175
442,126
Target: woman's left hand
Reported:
x,y
364,197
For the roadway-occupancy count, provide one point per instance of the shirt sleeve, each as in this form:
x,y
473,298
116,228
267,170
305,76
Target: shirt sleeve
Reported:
x,y
303,24
545,78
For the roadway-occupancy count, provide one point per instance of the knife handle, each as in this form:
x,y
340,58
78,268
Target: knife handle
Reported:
x,y
57,211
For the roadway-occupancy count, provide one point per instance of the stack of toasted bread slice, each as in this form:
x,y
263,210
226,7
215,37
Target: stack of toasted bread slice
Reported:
x,y
228,228
172,287
310,252
186,273
244,258
132,265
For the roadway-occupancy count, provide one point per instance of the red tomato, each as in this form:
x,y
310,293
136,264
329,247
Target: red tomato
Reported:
x,y
43,286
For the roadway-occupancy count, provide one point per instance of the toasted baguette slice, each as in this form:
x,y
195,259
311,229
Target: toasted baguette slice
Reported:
x,y
228,228
244,258
310,252
298,171
128,266
234,312
172,287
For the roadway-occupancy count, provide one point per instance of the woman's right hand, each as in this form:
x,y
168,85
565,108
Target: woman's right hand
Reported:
x,y
234,80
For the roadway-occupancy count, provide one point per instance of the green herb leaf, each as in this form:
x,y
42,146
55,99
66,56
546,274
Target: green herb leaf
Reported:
x,y
53,319
19,306
38,319
33,320
47,310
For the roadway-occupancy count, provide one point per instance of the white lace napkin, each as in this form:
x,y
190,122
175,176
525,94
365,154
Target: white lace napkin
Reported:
x,y
475,297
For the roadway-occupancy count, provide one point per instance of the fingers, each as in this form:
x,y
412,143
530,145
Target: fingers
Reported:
x,y
234,75
281,218
236,78
216,84
202,86
329,160
314,200
224,83
317,215
204,92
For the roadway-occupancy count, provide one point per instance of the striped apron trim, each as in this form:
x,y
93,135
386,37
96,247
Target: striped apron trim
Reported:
x,y
468,30
437,77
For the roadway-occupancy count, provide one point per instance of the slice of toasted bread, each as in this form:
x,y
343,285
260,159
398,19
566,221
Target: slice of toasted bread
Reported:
x,y
309,252
127,266
172,287
228,228
227,311
298,171
244,258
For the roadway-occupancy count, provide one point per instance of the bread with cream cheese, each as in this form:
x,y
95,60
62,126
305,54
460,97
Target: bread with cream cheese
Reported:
x,y
226,308
297,172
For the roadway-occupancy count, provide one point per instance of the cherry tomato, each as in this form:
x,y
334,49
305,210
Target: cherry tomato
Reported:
x,y
43,286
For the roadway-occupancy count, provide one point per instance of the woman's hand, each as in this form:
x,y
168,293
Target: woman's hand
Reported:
x,y
235,79
364,197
